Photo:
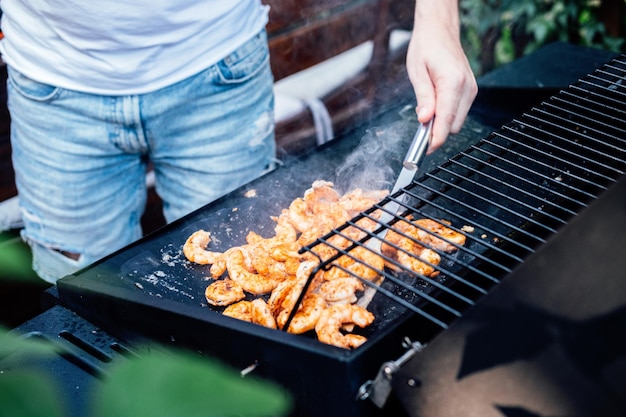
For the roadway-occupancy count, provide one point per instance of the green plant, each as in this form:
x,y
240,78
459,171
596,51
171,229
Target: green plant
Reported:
x,y
14,260
157,383
495,32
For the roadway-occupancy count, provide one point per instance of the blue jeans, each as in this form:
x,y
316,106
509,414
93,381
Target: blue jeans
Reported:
x,y
80,159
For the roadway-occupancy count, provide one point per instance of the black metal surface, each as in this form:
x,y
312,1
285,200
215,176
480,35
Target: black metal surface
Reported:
x,y
546,342
84,351
149,288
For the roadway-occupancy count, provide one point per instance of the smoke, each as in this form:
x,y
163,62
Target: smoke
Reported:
x,y
371,165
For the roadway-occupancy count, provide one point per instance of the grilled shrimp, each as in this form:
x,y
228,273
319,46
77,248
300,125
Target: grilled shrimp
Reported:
x,y
357,201
321,193
261,314
241,310
309,312
299,217
218,268
224,292
361,262
285,251
453,239
420,260
195,250
255,311
286,294
249,281
341,290
334,317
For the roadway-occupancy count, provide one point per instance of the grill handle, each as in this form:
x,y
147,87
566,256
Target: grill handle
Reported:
x,y
418,147
378,390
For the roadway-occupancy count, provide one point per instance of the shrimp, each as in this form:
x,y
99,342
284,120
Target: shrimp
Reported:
x,y
357,201
321,193
307,315
286,294
299,217
195,251
361,262
249,281
261,314
334,317
218,268
411,253
285,251
254,311
241,310
282,294
284,231
341,290
318,209
224,292
423,263
450,241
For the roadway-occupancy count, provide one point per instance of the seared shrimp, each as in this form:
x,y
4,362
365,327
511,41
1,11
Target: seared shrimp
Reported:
x,y
451,238
411,254
420,260
321,193
285,296
299,217
241,310
341,290
357,201
285,251
249,281
195,251
224,292
309,312
361,262
261,314
218,268
334,317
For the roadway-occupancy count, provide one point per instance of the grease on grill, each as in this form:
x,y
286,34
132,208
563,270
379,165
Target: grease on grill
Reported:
x,y
274,272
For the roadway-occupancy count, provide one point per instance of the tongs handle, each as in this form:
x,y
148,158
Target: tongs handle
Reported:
x,y
419,146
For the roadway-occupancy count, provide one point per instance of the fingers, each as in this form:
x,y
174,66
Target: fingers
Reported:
x,y
454,97
444,87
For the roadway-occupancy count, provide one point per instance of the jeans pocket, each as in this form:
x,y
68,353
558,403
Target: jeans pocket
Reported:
x,y
30,88
245,62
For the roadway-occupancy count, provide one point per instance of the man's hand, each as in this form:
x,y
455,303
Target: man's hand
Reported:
x,y
439,70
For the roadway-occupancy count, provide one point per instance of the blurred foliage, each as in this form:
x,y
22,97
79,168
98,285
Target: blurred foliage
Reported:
x,y
495,32
15,262
157,383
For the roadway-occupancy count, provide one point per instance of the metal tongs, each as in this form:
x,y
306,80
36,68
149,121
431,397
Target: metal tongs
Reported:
x,y
411,163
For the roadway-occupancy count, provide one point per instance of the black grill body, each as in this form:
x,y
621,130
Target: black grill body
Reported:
x,y
548,341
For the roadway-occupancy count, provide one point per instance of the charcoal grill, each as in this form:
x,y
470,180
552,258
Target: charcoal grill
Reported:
x,y
514,190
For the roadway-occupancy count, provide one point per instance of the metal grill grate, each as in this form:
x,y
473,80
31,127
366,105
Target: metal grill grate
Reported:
x,y
507,194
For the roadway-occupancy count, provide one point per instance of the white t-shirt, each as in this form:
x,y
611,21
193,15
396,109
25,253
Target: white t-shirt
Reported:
x,y
123,47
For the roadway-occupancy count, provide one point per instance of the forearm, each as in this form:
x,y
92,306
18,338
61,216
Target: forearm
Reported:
x,y
441,13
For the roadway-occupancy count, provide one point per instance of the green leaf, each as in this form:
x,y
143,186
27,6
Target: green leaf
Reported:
x,y
15,260
28,394
168,384
13,342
